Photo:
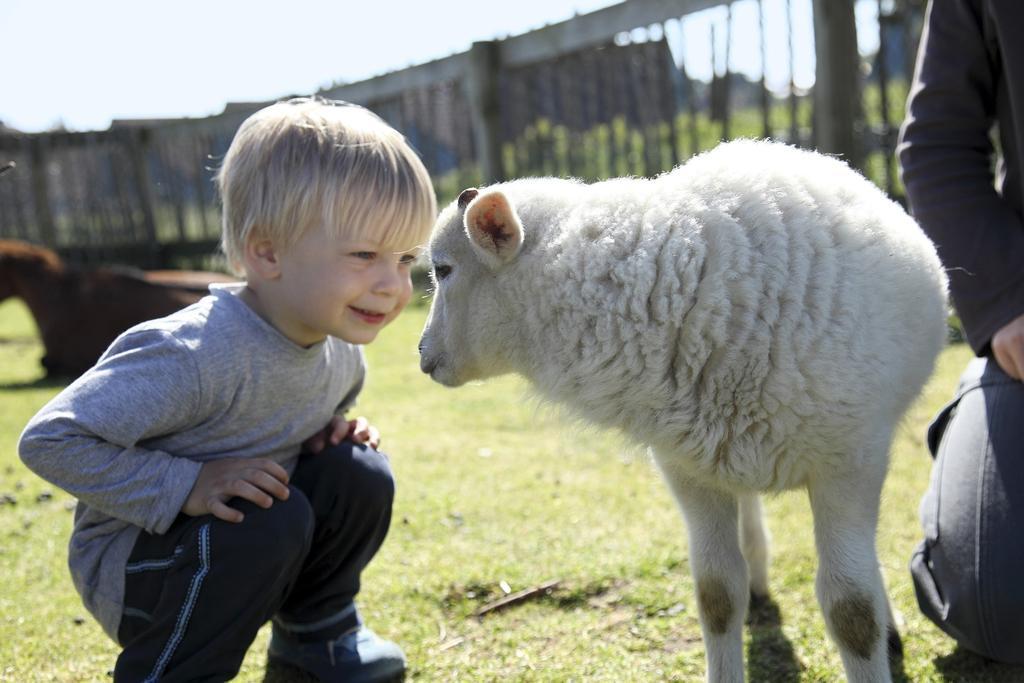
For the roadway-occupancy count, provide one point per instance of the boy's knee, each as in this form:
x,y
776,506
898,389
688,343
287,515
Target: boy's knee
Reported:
x,y
281,533
372,473
291,521
362,471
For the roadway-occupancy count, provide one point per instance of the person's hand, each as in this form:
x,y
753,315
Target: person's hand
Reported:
x,y
1008,347
361,431
258,480
338,429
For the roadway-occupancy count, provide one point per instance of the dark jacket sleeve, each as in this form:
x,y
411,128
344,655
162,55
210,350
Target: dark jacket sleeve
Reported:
x,y
946,155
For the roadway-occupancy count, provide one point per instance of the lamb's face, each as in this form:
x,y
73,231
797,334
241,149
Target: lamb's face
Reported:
x,y
473,240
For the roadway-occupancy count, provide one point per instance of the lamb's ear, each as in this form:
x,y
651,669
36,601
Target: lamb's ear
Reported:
x,y
494,228
466,196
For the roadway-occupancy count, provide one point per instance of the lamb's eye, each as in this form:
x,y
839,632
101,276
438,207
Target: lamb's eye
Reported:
x,y
441,271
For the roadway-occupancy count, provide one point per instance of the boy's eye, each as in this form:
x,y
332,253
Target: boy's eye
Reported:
x,y
442,271
407,259
365,255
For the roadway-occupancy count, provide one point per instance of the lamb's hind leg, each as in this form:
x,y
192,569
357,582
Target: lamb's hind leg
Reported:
x,y
754,543
849,584
719,573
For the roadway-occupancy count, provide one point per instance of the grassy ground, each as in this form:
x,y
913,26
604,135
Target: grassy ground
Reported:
x,y
495,493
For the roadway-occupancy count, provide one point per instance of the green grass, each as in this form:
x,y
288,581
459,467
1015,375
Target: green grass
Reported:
x,y
494,487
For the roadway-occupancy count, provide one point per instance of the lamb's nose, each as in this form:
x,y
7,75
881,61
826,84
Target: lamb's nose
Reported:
x,y
427,365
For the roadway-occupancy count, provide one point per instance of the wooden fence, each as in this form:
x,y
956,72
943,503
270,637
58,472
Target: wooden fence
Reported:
x,y
595,96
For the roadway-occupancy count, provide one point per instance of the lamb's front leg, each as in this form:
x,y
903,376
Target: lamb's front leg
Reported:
x,y
719,572
849,584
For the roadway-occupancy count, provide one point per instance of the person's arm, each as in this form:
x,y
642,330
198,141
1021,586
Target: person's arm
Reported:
x,y
946,157
340,427
90,439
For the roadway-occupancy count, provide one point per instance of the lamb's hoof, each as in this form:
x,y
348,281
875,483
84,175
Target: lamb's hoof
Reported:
x,y
762,611
758,600
895,644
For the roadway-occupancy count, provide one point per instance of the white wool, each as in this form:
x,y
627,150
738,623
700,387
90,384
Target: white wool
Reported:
x,y
761,317
758,311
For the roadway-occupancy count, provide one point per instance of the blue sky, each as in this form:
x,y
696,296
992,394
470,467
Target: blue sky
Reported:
x,y
83,63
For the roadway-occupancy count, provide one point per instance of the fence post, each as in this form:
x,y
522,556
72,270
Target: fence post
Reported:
x,y
837,80
41,192
484,106
138,145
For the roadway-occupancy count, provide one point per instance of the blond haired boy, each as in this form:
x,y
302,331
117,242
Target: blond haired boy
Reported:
x,y
219,484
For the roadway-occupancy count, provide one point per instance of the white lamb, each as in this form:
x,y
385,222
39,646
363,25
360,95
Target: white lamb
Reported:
x,y
761,316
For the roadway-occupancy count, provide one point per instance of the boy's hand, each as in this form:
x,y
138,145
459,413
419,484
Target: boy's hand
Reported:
x,y
254,479
338,429
361,431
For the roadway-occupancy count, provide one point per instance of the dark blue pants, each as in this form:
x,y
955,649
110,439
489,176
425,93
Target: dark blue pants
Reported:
x,y
968,570
196,596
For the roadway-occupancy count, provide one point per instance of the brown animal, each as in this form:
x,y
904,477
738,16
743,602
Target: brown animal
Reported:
x,y
80,311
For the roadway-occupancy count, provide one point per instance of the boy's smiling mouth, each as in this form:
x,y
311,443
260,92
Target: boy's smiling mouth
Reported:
x,y
372,317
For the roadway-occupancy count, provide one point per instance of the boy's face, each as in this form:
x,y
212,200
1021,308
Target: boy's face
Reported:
x,y
346,288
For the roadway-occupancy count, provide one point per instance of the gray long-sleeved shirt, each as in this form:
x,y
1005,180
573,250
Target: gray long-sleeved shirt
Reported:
x,y
970,77
129,436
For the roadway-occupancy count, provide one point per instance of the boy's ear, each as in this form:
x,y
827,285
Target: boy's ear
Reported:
x,y
261,258
493,228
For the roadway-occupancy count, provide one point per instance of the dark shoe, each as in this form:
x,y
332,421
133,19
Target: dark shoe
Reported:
x,y
360,656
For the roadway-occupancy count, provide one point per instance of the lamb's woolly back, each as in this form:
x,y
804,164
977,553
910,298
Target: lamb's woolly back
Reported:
x,y
755,308
761,317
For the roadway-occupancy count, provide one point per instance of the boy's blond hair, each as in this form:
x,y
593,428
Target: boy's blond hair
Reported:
x,y
304,161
